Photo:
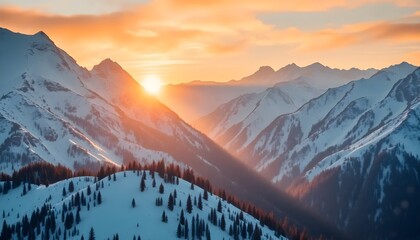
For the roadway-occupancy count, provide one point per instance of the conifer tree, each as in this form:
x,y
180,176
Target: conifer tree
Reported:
x,y
205,195
186,229
179,231
223,223
71,186
91,234
99,198
68,223
219,206
161,188
133,203
193,228
170,202
164,217
77,217
200,202
189,204
208,237
181,217
142,184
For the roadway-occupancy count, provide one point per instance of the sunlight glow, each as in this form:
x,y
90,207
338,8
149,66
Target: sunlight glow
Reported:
x,y
152,84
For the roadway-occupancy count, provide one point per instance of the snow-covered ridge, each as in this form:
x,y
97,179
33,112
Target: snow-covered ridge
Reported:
x,y
126,211
190,100
355,143
237,123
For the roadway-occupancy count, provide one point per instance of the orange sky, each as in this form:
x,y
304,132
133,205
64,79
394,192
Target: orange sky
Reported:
x,y
219,40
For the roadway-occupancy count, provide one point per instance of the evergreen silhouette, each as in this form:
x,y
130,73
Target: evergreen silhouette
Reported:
x,y
171,202
161,188
189,204
91,234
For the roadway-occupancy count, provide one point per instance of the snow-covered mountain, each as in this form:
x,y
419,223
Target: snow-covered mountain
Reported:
x,y
124,210
198,99
352,153
53,110
236,123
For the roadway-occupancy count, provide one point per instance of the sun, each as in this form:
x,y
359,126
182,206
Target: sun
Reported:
x,y
152,84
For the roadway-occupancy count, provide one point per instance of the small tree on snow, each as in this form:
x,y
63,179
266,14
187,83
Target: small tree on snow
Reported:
x,y
161,188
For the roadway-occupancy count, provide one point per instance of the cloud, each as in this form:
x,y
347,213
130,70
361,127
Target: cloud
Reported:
x,y
181,32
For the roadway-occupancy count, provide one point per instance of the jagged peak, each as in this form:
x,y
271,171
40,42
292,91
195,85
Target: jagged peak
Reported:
x,y
107,64
400,65
289,67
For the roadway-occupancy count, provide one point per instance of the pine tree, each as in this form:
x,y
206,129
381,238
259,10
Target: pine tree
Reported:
x,y
6,232
71,186
89,191
142,184
219,206
91,234
179,231
186,229
223,223
189,204
77,217
64,192
164,217
206,195
68,223
200,202
170,202
161,188
133,203
208,237
99,198
24,189
193,228
257,233
181,217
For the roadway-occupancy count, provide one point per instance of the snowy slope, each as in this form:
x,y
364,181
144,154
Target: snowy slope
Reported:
x,y
191,100
236,123
116,215
353,150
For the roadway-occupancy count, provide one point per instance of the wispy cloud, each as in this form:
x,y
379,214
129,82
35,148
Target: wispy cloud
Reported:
x,y
182,32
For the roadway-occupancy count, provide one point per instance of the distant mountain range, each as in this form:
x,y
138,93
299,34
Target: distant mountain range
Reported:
x,y
351,153
196,99
53,110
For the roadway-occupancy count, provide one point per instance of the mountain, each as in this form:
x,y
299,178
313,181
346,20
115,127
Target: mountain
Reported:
x,y
236,123
123,209
191,100
53,110
351,154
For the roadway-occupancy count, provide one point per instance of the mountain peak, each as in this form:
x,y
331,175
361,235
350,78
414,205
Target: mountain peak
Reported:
x,y
289,67
265,69
107,65
316,65
400,69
